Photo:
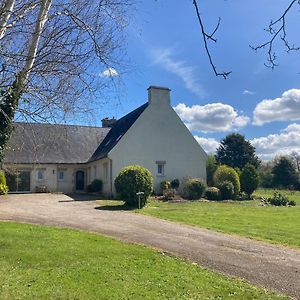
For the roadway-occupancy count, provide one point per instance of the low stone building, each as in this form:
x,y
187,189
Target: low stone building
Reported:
x,y
66,158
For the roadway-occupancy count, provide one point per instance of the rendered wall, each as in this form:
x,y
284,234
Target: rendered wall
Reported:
x,y
159,135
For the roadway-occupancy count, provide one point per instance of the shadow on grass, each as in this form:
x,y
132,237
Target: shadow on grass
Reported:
x,y
119,207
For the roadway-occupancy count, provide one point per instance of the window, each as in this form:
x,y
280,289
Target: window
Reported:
x,y
40,175
160,168
61,175
105,172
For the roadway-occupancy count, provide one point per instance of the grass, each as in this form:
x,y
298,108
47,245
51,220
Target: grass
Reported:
x,y
38,262
247,218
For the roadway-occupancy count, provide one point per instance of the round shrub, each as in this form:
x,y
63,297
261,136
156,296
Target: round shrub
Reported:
x,y
3,186
95,186
165,185
249,179
212,193
225,173
175,183
194,188
226,190
131,180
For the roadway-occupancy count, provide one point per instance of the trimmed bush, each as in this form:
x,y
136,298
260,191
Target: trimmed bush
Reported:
x,y
194,188
226,190
213,193
3,185
175,183
95,186
249,180
225,173
280,200
131,180
165,185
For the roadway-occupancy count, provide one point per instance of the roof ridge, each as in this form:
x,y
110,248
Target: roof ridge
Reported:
x,y
51,124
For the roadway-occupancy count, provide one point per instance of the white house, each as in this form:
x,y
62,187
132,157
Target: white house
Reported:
x,y
66,158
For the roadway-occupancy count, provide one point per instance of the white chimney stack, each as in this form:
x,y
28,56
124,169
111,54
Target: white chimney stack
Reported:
x,y
159,96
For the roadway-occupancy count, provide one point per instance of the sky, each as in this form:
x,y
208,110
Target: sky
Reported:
x,y
165,48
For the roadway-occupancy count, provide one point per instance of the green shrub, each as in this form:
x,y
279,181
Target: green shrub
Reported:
x,y
95,186
131,180
3,189
212,193
175,183
226,190
249,180
3,185
280,200
42,189
225,173
194,188
165,185
168,194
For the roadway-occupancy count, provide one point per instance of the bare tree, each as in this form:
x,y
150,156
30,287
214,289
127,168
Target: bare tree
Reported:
x,y
277,30
51,54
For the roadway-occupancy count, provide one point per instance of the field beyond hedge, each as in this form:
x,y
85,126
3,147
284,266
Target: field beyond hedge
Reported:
x,y
247,218
38,262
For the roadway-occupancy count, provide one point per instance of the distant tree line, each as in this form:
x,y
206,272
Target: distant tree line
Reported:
x,y
238,153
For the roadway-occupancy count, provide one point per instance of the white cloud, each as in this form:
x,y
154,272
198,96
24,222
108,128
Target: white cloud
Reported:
x,y
211,117
165,59
208,144
110,72
247,92
286,107
278,144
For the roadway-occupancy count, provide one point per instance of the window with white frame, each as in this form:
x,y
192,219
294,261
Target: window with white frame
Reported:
x,y
160,165
61,175
40,175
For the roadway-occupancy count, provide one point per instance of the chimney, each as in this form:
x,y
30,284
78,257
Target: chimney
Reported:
x,y
106,122
159,96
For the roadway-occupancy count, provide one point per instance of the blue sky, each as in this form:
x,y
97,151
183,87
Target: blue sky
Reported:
x,y
165,48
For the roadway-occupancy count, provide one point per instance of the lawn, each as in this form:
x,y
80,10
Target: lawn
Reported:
x,y
38,262
247,218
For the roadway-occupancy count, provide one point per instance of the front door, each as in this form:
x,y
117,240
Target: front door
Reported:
x,y
79,180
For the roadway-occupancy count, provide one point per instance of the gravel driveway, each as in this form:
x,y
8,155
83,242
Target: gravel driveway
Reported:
x,y
273,267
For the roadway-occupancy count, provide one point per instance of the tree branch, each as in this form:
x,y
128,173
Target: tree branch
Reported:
x,y
275,33
207,37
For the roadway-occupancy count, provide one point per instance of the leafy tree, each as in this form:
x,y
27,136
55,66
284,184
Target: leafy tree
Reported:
x,y
265,174
211,167
284,173
225,173
235,151
51,55
249,179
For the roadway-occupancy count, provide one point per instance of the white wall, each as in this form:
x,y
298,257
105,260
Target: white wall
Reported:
x,y
159,135
97,170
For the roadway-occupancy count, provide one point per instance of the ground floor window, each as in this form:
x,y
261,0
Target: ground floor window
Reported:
x,y
105,172
160,168
40,175
18,181
61,175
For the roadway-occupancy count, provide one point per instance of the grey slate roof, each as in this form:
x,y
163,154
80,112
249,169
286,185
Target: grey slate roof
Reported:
x,y
48,143
118,130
